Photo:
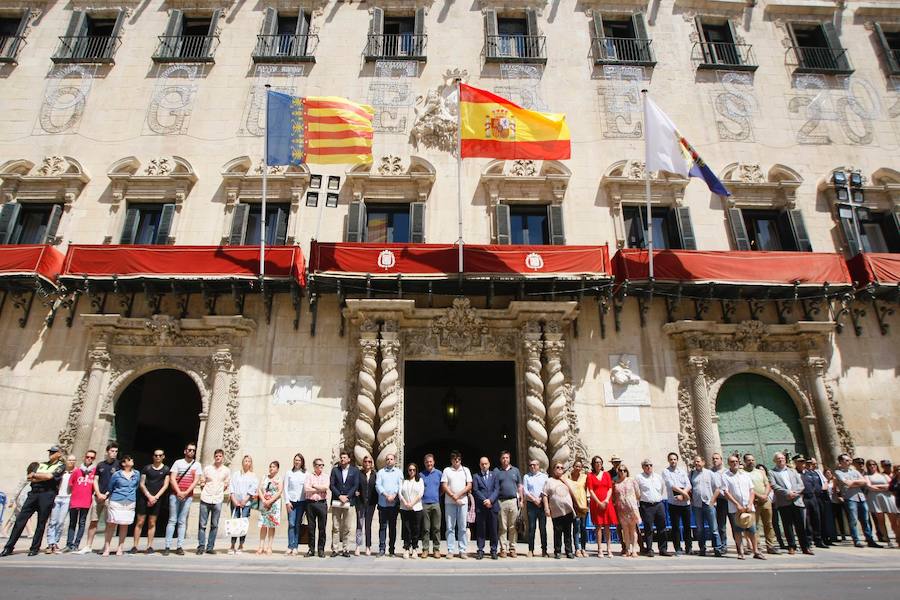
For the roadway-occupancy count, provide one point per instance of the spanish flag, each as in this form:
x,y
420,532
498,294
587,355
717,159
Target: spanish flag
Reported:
x,y
317,129
494,127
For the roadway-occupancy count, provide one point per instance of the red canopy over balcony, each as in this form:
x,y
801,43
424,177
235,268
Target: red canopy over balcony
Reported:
x,y
746,273
875,269
217,263
442,260
39,260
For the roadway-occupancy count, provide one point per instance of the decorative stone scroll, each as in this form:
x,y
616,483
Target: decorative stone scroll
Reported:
x,y
56,178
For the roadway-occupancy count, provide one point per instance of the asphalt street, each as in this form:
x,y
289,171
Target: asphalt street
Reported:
x,y
838,574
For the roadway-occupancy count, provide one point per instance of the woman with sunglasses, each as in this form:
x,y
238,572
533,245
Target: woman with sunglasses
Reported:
x,y
366,503
154,478
626,495
603,511
559,505
411,491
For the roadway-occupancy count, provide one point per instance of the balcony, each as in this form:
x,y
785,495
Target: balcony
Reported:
x,y
402,46
515,48
9,47
724,55
285,48
829,61
186,48
86,49
623,51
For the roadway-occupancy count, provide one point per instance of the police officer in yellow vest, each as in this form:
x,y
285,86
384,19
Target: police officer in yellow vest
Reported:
x,y
44,487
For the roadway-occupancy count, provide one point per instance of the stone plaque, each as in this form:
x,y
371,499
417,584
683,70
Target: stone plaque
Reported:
x,y
292,390
625,386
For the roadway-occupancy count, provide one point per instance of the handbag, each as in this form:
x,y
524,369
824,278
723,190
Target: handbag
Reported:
x,y
237,527
470,516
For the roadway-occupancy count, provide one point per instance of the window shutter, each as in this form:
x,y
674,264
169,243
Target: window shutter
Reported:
x,y
129,231
685,228
892,231
798,228
419,31
281,223
9,214
555,218
176,20
53,224
239,225
490,32
501,215
171,45
851,234
165,224
111,43
738,229
640,33
733,54
531,21
417,222
77,23
376,33
270,22
75,48
356,222
213,25
892,63
13,47
302,45
598,24
834,42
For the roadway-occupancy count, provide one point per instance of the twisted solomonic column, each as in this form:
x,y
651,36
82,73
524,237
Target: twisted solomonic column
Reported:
x,y
707,436
389,390
365,398
536,413
557,399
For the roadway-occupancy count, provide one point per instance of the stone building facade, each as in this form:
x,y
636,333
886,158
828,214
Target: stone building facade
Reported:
x,y
120,114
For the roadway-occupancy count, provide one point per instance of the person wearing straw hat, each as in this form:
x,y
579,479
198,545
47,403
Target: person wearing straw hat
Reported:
x,y
739,491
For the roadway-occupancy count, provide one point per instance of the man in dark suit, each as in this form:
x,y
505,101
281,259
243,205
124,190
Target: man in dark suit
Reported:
x,y
344,483
486,490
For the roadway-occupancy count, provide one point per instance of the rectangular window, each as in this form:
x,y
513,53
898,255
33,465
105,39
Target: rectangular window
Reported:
x,y
763,230
387,223
11,29
513,38
276,224
818,48
621,40
718,44
284,38
188,37
29,223
879,231
399,36
529,225
90,37
889,39
665,229
148,224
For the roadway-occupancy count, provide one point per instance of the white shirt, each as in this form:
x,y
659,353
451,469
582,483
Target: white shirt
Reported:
x,y
243,485
740,486
64,491
676,477
652,487
456,480
214,484
409,489
344,472
293,485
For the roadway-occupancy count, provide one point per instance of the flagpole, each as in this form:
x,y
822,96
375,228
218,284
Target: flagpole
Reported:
x,y
647,191
265,177
459,201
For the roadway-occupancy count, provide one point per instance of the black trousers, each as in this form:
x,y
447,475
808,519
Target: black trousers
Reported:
x,y
721,520
316,514
826,518
680,518
387,527
562,528
486,528
654,518
813,519
792,520
36,502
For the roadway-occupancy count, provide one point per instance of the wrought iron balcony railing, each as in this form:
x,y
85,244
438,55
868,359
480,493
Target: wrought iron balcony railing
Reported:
x,y
832,61
396,46
86,49
724,55
186,48
623,51
285,47
515,48
9,47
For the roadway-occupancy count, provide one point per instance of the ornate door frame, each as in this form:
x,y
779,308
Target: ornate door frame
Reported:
x,y
524,332
794,356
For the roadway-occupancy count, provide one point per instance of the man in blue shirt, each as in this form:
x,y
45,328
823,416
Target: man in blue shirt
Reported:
x,y
387,484
431,508
533,484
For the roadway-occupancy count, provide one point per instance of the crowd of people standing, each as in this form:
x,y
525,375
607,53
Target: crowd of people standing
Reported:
x,y
769,510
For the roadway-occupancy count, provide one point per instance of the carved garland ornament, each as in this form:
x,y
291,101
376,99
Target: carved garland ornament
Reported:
x,y
67,433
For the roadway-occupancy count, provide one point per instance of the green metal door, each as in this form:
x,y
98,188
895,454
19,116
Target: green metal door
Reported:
x,y
756,415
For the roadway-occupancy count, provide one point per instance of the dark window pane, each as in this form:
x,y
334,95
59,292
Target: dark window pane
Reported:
x,y
762,227
148,224
529,225
31,226
387,224
253,216
636,229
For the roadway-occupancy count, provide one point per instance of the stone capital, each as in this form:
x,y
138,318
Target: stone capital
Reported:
x,y
222,360
698,364
817,366
99,358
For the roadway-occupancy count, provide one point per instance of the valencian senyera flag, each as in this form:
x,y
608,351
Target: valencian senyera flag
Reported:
x,y
494,127
317,129
668,150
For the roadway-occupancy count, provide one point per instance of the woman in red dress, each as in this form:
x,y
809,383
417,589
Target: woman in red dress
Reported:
x,y
603,511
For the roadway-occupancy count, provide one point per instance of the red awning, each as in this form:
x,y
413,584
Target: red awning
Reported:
x,y
441,260
38,260
182,262
733,267
878,269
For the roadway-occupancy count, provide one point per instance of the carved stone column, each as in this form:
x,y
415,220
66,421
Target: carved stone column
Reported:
x,y
99,361
536,412
218,404
557,400
365,394
830,441
389,390
707,434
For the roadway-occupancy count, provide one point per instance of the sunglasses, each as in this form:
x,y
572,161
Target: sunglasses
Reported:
x,y
159,455
559,468
319,464
411,470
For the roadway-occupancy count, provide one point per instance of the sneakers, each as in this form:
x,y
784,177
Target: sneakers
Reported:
x,y
84,550
759,556
150,550
210,551
200,551
134,550
179,551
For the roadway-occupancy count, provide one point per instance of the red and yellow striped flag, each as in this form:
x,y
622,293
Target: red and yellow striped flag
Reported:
x,y
318,129
494,127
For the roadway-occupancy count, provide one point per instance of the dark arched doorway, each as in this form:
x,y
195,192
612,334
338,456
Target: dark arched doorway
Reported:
x,y
757,415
